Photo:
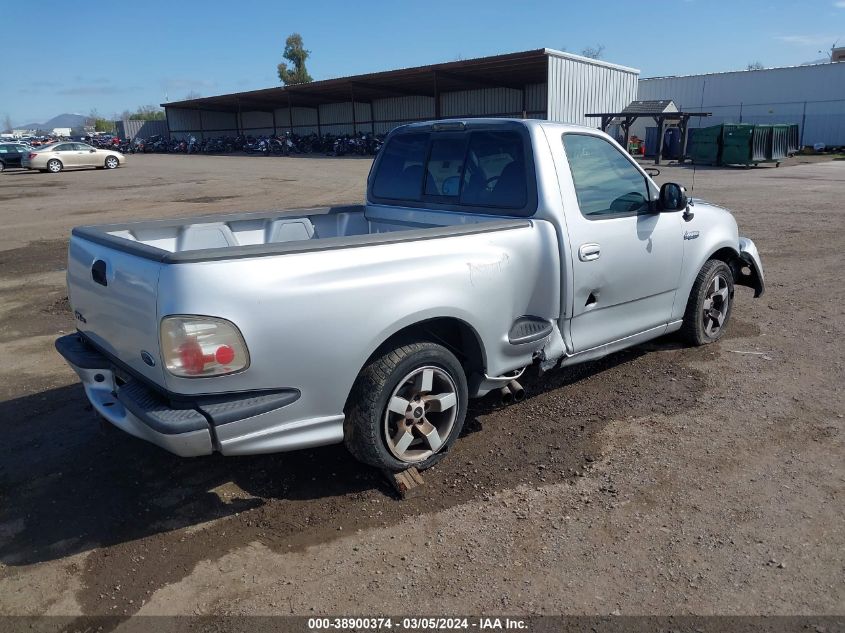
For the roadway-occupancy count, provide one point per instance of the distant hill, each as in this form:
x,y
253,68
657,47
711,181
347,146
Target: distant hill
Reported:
x,y
63,120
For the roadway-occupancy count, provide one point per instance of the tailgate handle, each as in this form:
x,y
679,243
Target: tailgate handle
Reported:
x,y
98,272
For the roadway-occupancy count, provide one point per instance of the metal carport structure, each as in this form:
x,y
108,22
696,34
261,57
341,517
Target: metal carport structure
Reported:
x,y
514,84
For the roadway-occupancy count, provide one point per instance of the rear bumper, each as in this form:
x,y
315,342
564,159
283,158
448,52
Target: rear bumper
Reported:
x,y
184,427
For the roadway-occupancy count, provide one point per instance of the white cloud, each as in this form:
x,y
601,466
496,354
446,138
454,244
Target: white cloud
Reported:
x,y
839,4
808,40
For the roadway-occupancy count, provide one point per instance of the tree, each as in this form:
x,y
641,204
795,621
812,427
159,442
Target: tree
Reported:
x,y
193,94
593,52
296,54
147,113
99,123
7,123
755,66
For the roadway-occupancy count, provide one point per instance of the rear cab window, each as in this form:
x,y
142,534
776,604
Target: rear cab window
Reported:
x,y
485,171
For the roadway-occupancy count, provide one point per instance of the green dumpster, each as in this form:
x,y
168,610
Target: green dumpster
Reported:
x,y
736,144
704,144
778,146
794,139
760,143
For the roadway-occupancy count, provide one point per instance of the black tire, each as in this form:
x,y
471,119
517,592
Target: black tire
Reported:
x,y
54,165
700,328
2,166
111,162
365,426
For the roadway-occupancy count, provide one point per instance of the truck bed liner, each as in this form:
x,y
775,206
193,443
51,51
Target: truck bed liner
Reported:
x,y
219,237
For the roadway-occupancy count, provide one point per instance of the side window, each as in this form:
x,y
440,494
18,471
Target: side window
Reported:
x,y
64,147
495,172
445,167
400,172
4,149
82,147
606,182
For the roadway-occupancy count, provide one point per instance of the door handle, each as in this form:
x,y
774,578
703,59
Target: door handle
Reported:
x,y
589,252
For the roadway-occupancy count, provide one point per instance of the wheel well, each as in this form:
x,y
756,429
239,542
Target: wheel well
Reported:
x,y
731,258
726,254
453,334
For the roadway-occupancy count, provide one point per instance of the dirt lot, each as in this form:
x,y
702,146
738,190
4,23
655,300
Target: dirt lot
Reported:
x,y
661,480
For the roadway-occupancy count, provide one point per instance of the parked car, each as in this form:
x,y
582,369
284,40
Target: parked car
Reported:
x,y
484,246
11,154
69,155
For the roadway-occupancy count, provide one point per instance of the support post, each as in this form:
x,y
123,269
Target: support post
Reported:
x,y
354,122
436,97
238,120
626,126
684,125
803,121
660,123
202,129
274,121
319,130
290,115
524,102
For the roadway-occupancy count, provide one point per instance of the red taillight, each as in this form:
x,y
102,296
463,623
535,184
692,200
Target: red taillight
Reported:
x,y
199,346
32,155
193,360
224,354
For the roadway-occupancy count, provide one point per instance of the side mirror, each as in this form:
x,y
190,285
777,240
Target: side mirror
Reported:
x,y
91,151
673,197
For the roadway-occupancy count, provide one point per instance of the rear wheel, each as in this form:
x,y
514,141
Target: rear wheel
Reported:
x,y
406,407
2,165
710,303
54,165
112,162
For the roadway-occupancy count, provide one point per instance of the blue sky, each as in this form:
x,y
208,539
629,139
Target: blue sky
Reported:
x,y
117,55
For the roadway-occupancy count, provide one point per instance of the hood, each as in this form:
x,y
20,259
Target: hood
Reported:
x,y
707,214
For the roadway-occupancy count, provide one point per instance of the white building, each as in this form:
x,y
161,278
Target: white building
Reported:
x,y
812,96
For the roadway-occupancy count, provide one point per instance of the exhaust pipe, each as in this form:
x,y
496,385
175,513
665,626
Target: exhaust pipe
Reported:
x,y
506,395
517,390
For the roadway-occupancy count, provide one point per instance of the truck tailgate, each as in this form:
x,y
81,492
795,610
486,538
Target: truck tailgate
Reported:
x,y
113,297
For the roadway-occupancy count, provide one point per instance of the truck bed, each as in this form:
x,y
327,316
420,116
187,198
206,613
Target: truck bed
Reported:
x,y
209,238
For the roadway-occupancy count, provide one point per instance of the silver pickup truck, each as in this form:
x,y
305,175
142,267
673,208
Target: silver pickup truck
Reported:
x,y
483,247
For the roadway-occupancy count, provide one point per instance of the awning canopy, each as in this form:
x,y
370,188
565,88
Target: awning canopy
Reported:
x,y
514,70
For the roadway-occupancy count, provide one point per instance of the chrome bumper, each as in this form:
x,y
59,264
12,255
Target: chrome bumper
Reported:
x,y
185,426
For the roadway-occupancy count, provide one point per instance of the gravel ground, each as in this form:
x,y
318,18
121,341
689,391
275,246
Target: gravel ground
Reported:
x,y
660,480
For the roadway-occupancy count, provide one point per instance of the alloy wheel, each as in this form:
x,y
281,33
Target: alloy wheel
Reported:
x,y
716,303
420,414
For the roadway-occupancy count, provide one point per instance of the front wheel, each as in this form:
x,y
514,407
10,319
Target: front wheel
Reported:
x,y
710,303
54,166
112,162
407,407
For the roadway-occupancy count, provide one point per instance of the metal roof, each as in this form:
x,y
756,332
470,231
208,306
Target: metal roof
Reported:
x,y
647,107
740,72
512,70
